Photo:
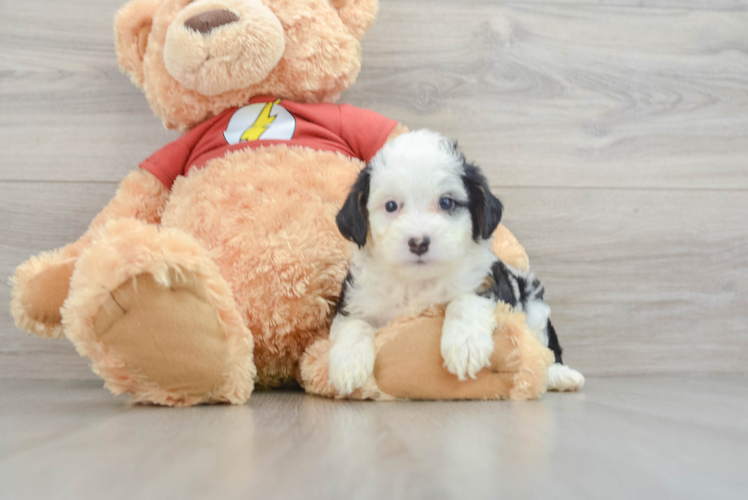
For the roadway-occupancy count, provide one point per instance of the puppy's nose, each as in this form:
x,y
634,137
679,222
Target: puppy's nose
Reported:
x,y
205,22
419,246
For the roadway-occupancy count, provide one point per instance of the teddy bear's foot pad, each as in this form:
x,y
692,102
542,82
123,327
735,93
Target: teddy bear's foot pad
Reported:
x,y
169,336
152,311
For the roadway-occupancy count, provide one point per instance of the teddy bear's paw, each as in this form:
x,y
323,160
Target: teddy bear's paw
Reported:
x,y
157,319
351,364
40,287
564,379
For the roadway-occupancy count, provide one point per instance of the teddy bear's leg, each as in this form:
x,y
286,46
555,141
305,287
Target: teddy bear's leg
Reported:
x,y
41,284
409,364
151,310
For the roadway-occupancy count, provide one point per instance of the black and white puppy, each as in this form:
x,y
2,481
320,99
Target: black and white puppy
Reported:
x,y
422,220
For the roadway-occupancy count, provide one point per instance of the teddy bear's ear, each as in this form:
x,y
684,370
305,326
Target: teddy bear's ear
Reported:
x,y
357,15
132,25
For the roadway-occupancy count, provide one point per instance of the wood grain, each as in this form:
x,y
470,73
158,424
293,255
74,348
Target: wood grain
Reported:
x,y
730,5
552,94
623,438
570,96
66,111
640,4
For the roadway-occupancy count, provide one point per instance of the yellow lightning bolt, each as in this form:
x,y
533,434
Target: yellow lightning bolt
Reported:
x,y
261,124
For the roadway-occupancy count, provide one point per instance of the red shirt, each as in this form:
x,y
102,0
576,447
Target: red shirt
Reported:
x,y
357,133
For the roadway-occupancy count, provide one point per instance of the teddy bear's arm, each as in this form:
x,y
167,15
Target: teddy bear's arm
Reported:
x,y
399,129
140,195
40,285
509,250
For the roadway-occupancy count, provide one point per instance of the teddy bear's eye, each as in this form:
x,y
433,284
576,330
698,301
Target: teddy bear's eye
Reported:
x,y
390,206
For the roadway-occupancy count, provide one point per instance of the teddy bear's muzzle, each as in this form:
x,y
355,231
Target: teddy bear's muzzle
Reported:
x,y
216,46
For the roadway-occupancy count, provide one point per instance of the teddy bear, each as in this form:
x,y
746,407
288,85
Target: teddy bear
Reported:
x,y
217,264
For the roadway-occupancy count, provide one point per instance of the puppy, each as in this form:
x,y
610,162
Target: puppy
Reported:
x,y
422,219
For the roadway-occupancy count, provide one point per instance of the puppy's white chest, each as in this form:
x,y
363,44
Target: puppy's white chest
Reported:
x,y
382,304
409,303
378,295
418,297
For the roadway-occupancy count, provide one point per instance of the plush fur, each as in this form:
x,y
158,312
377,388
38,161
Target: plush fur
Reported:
x,y
195,295
286,271
123,250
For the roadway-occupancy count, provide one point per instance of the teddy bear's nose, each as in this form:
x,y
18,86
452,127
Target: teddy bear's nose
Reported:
x,y
205,22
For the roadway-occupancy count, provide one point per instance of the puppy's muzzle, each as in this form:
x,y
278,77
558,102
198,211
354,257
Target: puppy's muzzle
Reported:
x,y
419,246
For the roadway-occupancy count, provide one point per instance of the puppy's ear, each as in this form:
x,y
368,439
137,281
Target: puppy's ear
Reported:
x,y
353,218
485,209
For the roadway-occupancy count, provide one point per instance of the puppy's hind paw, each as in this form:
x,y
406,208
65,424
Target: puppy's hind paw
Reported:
x,y
561,378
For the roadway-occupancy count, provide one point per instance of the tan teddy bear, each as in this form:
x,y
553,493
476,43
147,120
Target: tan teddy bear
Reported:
x,y
217,264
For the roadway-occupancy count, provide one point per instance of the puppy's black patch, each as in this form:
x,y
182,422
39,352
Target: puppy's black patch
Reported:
x,y
501,288
553,343
340,306
538,289
485,209
512,287
353,218
518,290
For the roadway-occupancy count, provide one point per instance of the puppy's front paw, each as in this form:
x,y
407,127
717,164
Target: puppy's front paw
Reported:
x,y
351,364
564,379
466,347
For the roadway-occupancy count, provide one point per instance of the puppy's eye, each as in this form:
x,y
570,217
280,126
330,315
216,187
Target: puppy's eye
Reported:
x,y
390,206
446,203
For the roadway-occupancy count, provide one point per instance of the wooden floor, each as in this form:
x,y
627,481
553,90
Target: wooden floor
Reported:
x,y
659,437
615,132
